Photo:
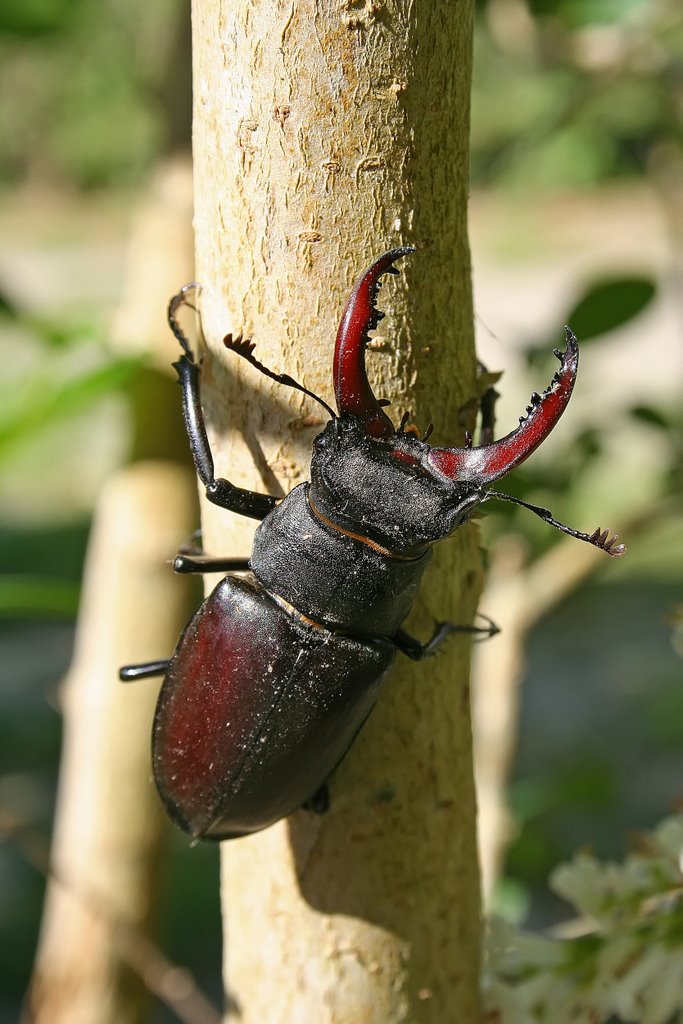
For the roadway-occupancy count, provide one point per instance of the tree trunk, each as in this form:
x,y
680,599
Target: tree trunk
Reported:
x,y
325,133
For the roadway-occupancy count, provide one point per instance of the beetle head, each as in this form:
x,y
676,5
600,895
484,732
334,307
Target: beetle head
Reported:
x,y
389,485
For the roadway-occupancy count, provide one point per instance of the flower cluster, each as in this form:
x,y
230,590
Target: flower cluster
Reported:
x,y
623,958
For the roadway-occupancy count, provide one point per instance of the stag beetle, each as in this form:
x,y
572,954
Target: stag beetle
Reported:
x,y
278,670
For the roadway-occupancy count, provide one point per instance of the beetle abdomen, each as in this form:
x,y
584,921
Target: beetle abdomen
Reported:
x,y
256,710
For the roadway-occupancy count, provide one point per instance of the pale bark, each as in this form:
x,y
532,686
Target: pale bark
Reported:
x,y
325,133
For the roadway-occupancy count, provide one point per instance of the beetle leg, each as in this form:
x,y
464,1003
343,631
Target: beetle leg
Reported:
x,y
319,802
413,648
218,491
148,669
187,562
487,406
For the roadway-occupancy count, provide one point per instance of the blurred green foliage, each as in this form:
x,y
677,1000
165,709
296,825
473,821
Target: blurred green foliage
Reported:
x,y
567,93
54,389
571,93
84,89
607,303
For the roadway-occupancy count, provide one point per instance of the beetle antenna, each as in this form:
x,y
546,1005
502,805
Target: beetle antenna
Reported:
x,y
599,538
245,348
174,305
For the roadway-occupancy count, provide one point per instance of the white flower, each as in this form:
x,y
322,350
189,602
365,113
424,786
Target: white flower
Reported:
x,y
630,964
669,836
585,883
652,990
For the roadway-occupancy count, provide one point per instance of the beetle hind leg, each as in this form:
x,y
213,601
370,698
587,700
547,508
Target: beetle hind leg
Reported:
x,y
319,802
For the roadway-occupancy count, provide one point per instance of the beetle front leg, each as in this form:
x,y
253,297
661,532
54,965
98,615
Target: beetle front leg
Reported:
x,y
219,491
487,408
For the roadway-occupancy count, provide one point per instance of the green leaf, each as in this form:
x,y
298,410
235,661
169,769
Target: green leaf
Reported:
x,y
32,18
7,307
47,403
653,417
59,335
52,332
35,596
609,303
578,13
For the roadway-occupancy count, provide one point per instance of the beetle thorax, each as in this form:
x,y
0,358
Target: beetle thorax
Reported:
x,y
384,489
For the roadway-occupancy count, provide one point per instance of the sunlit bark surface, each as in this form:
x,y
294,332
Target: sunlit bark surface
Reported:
x,y
324,134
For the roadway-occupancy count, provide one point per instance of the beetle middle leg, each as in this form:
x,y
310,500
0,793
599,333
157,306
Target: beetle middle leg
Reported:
x,y
191,561
415,649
